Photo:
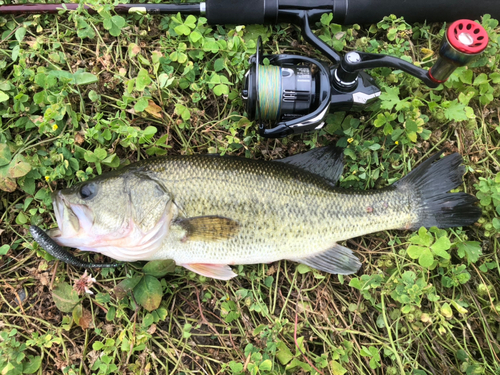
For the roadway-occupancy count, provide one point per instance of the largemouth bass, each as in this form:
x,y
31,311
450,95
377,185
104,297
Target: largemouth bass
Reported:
x,y
209,212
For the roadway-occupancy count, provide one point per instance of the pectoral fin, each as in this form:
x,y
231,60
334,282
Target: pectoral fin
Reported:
x,y
215,271
208,228
338,259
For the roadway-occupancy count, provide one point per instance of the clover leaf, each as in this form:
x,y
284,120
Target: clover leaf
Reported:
x,y
427,246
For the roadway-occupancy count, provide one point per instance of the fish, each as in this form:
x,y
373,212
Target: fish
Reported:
x,y
209,212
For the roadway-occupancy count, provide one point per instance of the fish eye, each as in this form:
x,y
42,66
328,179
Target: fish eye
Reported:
x,y
88,190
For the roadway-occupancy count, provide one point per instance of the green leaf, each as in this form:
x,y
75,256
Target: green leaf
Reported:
x,y
380,120
284,354
211,45
190,21
221,90
426,258
65,297
302,269
15,52
21,218
142,80
141,104
446,311
77,313
28,185
480,79
182,111
406,309
440,246
159,268
337,368
495,77
266,365
150,131
326,18
84,78
4,249
414,252
100,153
32,364
236,368
84,30
114,24
182,30
355,283
20,33
471,249
296,363
5,154
411,126
365,352
19,169
195,36
126,285
389,98
423,238
3,96
219,64
148,293
496,222
455,111
89,156
466,76
112,161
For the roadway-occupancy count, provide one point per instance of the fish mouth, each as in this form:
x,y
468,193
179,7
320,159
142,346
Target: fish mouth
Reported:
x,y
71,218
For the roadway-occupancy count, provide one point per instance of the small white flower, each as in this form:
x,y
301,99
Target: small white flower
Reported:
x,y
83,284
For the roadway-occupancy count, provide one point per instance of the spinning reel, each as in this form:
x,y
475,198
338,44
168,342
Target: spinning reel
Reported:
x,y
293,94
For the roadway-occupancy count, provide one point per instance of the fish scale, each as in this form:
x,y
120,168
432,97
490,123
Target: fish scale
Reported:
x,y
207,212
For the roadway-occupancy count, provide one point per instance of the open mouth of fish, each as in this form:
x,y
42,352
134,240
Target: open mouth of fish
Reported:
x,y
126,243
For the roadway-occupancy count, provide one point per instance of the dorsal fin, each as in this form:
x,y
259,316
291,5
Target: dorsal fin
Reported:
x,y
327,162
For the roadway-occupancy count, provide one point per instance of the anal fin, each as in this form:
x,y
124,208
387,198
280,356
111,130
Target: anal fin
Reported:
x,y
338,260
215,271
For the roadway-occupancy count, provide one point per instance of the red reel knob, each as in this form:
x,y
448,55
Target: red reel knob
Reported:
x,y
467,36
464,40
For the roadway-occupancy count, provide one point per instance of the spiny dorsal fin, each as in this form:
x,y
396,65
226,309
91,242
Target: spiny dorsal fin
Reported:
x,y
327,162
338,259
208,228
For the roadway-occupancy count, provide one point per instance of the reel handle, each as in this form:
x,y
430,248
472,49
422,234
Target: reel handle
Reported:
x,y
464,41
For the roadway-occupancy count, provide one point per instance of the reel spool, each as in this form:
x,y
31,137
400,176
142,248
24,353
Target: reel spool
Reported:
x,y
282,92
464,41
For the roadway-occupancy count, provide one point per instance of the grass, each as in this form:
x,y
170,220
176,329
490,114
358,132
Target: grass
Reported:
x,y
82,94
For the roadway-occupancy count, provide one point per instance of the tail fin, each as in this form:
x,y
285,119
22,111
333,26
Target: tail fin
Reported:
x,y
432,181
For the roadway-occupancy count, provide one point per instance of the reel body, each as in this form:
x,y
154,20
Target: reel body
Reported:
x,y
288,92
293,94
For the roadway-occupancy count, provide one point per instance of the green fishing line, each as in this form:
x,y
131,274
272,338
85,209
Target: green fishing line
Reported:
x,y
269,92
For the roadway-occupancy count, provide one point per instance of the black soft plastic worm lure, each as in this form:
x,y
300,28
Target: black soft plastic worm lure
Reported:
x,y
58,252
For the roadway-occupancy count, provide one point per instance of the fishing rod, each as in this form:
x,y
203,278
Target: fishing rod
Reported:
x,y
293,94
